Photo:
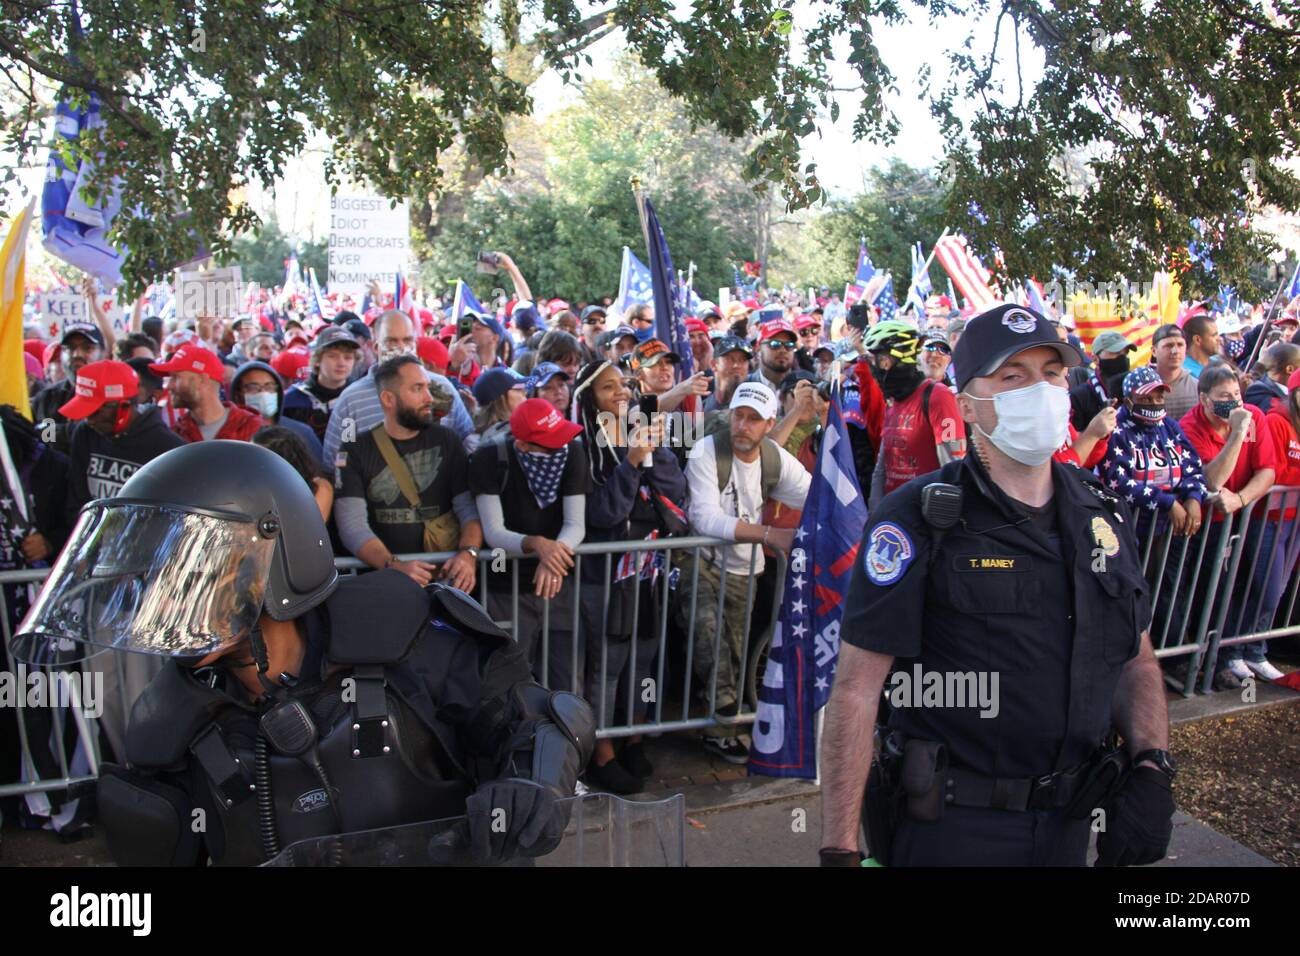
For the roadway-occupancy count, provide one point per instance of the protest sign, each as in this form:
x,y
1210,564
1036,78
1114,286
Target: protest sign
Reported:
x,y
368,240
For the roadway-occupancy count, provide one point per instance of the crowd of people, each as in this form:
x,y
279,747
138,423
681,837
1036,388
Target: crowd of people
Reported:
x,y
538,426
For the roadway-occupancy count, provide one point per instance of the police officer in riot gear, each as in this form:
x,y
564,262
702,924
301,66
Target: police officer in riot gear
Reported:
x,y
1006,564
295,704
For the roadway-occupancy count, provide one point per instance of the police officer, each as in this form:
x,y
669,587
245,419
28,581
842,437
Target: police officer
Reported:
x,y
295,704
1017,613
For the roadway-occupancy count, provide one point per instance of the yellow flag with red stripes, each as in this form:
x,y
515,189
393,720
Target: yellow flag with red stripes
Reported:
x,y
13,277
1136,319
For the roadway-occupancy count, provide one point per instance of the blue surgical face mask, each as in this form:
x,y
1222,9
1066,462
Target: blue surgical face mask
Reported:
x,y
264,403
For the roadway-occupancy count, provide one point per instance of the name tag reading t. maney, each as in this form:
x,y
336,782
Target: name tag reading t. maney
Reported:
x,y
991,562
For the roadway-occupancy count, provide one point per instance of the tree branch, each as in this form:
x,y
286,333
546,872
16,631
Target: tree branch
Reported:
x,y
585,42
83,82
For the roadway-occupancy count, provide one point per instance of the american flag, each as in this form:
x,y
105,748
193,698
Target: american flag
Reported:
x,y
861,276
464,302
885,300
971,278
1293,289
402,294
317,304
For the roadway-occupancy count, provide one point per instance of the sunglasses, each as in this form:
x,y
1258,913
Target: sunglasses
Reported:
x,y
594,320
780,344
938,347
812,330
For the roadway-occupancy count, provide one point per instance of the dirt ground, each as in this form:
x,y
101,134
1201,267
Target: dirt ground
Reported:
x,y
1241,775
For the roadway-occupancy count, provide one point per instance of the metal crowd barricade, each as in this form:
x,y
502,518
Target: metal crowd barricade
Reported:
x,y
675,705
1231,584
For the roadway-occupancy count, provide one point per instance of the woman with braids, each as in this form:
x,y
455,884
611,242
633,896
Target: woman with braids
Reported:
x,y
639,492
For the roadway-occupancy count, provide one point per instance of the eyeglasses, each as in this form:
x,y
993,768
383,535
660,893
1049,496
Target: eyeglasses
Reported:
x,y
251,389
780,344
938,347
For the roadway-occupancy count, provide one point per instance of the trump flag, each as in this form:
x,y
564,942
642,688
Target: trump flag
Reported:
x,y
806,641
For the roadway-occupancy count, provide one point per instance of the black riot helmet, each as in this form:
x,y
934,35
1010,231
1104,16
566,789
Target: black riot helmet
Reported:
x,y
183,562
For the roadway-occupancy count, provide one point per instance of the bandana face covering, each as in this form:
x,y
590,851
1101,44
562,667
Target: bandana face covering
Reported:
x,y
543,472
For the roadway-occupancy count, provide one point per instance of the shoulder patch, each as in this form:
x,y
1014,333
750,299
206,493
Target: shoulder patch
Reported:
x,y
889,552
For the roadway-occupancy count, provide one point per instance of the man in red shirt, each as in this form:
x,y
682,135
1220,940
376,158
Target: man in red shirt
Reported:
x,y
1241,462
195,386
922,428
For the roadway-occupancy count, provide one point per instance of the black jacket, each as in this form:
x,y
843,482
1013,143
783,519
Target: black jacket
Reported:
x,y
99,465
46,405
44,474
1263,393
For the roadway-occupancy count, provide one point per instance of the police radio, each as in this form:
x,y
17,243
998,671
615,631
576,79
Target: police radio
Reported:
x,y
941,505
941,509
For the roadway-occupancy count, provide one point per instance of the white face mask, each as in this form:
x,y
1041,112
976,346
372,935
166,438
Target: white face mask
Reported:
x,y
1033,422
264,403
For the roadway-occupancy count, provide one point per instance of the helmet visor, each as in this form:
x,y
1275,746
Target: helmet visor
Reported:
x,y
156,580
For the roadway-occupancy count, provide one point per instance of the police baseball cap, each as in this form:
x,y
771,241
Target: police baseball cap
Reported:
x,y
994,336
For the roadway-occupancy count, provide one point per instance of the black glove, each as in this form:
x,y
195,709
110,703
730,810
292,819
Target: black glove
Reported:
x,y
1138,821
832,856
509,818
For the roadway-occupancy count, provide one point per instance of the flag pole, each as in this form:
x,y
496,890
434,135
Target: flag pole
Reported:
x,y
1268,322
639,195
933,248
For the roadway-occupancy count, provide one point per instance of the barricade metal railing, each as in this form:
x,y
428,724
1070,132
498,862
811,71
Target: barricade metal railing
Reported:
x,y
1231,584
660,687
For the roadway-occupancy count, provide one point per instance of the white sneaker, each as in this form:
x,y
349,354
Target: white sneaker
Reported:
x,y
1239,670
1264,669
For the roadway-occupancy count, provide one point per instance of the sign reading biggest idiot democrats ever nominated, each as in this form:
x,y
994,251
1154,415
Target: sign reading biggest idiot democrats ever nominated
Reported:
x,y
369,239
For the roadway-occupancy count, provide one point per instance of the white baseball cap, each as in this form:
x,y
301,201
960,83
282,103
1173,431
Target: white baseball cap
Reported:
x,y
757,396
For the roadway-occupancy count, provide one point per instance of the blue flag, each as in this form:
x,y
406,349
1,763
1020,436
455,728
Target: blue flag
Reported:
x,y
670,320
806,642
75,231
1293,289
464,302
920,289
635,287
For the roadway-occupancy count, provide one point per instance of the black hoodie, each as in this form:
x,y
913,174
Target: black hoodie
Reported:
x,y
99,465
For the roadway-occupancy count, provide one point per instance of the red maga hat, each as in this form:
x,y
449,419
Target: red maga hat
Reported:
x,y
97,384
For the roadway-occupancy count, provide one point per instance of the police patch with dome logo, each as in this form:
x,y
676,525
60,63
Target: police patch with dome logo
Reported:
x,y
1018,320
889,552
1105,536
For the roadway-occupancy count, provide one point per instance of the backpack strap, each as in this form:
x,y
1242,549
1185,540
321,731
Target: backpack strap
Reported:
x,y
769,462
722,456
396,464
503,465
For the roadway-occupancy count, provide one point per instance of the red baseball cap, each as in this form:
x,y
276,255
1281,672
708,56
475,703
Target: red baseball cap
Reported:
x,y
432,351
805,322
97,383
192,358
695,325
538,421
775,328
290,364
51,354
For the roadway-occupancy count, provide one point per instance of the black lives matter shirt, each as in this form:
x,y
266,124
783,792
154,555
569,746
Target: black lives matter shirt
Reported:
x,y
437,463
99,465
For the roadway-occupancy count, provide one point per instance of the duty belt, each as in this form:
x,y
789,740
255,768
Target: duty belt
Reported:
x,y
963,788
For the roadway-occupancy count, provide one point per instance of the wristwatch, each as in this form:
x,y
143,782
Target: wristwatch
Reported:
x,y
1161,759
473,552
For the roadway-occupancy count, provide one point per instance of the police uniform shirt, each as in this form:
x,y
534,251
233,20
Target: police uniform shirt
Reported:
x,y
1052,603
